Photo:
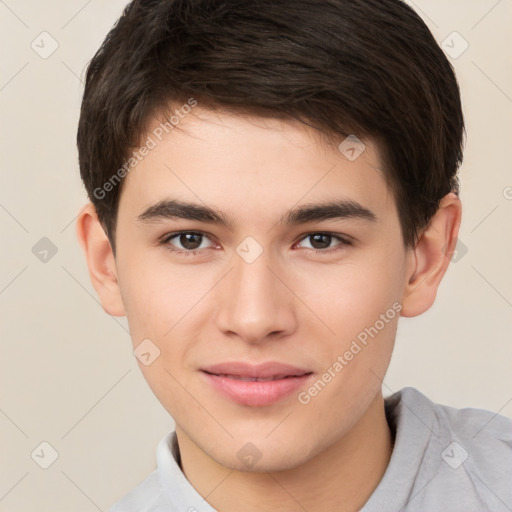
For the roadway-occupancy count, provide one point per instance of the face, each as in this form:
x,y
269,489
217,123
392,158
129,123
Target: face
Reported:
x,y
278,289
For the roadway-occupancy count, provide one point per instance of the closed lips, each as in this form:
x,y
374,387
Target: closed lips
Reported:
x,y
268,371
256,379
256,385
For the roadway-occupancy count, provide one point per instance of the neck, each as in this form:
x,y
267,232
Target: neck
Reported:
x,y
341,478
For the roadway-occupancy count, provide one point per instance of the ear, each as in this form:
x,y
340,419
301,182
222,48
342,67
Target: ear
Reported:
x,y
100,260
429,260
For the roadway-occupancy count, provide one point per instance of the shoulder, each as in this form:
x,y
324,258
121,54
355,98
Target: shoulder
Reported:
x,y
150,494
469,451
470,424
479,429
166,488
147,495
482,437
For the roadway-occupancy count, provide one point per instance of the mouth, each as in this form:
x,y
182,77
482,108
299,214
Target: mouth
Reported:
x,y
256,385
246,378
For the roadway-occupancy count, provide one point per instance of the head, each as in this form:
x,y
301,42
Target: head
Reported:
x,y
318,143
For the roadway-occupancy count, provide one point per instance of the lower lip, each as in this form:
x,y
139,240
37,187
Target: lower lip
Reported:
x,y
254,393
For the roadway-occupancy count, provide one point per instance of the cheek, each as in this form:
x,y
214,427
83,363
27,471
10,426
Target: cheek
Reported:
x,y
352,296
158,296
165,306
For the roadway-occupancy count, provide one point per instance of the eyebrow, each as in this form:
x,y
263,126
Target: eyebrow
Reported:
x,y
176,209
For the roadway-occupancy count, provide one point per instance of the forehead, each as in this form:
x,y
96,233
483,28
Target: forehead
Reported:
x,y
246,163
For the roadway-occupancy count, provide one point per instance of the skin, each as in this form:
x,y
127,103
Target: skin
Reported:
x,y
290,305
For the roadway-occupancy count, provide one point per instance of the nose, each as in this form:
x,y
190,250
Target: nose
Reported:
x,y
255,303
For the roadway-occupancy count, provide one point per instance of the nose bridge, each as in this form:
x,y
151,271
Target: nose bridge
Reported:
x,y
255,302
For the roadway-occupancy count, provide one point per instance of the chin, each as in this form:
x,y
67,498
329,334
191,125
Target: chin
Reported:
x,y
262,455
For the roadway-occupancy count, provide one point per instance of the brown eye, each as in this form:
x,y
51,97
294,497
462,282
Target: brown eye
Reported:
x,y
321,242
185,242
190,241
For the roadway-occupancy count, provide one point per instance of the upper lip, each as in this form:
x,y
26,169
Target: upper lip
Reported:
x,y
270,369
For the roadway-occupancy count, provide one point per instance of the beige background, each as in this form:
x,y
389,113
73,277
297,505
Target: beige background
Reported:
x,y
68,375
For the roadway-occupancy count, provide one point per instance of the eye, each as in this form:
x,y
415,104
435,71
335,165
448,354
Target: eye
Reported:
x,y
321,242
191,242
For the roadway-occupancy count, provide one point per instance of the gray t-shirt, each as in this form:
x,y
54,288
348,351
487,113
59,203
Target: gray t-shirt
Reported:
x,y
444,460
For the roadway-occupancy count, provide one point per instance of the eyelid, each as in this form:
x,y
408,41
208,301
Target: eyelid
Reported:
x,y
341,236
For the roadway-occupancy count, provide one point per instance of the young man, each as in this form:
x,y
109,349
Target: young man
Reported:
x,y
273,184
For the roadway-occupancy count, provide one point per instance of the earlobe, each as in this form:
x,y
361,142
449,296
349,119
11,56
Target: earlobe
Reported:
x,y
429,260
100,260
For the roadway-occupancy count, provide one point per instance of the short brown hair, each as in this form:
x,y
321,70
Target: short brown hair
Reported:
x,y
365,67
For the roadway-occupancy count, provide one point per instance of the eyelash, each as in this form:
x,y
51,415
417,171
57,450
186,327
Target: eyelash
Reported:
x,y
198,252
